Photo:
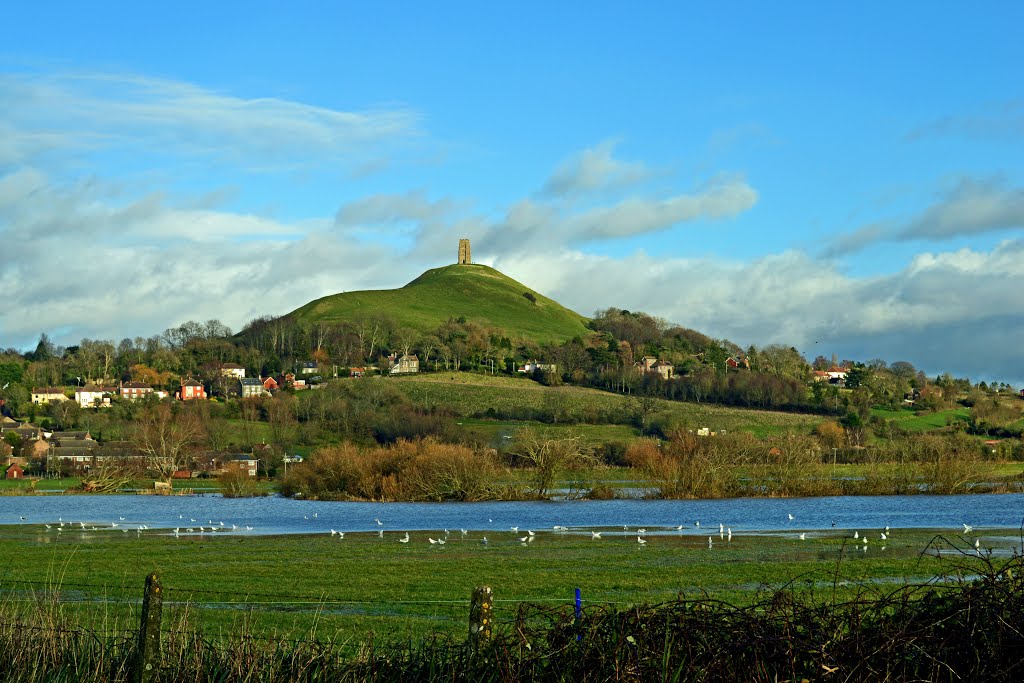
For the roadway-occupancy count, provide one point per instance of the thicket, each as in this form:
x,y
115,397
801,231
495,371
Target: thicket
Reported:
x,y
422,470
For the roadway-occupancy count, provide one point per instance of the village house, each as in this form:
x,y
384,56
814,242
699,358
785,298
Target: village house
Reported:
x,y
91,396
134,390
249,387
405,364
44,395
232,370
191,389
15,471
535,366
836,374
270,384
651,364
308,367
247,464
357,372
737,362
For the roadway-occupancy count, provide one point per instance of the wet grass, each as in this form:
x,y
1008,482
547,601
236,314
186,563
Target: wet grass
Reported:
x,y
364,586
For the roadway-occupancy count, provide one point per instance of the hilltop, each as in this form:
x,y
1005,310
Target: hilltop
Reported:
x,y
479,293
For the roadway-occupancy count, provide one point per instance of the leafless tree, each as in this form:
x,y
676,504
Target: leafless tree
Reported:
x,y
167,438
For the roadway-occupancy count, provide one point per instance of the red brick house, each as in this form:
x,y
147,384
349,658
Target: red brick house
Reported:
x,y
135,390
270,384
191,390
15,472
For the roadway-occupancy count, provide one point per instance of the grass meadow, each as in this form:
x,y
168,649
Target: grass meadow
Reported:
x,y
364,587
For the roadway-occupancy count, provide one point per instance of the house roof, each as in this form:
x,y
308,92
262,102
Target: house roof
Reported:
x,y
250,382
48,390
232,366
93,389
135,385
191,383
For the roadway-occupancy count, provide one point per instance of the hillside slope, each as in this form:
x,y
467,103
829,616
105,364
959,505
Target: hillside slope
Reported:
x,y
479,293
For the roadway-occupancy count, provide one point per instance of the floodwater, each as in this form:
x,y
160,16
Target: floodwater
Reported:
x,y
277,515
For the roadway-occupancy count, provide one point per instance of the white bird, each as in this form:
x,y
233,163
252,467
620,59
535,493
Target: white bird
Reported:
x,y
248,528
856,534
791,517
524,539
977,543
883,535
483,541
222,523
441,541
729,531
446,533
113,525
433,541
595,534
697,523
865,539
709,541
803,537
190,530
191,520
333,532
341,535
721,528
641,541
886,529
641,532
404,539
530,533
463,532
47,526
121,518
380,533
379,523
234,527
968,528
315,515
515,529
679,528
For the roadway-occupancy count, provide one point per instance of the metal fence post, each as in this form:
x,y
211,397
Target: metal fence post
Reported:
x,y
147,662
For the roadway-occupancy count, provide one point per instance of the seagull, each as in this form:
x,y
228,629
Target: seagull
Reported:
x,y
803,537
24,519
113,525
248,528
967,528
641,541
641,532
856,534
977,544
463,532
886,529
333,532
679,528
524,539
515,529
379,523
697,523
791,517
47,526
432,541
483,541
709,541
441,541
404,539
380,533
530,533
729,531
121,518
315,515
883,535
341,535
595,534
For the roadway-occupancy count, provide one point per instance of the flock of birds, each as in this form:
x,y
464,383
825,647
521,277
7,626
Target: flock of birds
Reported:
x,y
193,526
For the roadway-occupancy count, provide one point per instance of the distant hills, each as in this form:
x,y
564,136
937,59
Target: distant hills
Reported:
x,y
478,293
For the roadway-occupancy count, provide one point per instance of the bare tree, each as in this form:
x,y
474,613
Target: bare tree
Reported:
x,y
549,456
167,438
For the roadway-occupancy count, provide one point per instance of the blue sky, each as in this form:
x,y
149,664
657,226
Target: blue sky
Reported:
x,y
846,179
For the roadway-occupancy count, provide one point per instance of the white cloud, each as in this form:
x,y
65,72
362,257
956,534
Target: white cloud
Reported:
x,y
95,111
971,207
592,170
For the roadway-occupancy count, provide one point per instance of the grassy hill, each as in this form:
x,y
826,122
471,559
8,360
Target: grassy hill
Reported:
x,y
479,293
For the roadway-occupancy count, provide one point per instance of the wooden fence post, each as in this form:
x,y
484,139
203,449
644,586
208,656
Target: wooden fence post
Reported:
x,y
480,617
147,662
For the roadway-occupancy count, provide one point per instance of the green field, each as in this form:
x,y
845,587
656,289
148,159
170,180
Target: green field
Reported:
x,y
469,394
909,420
480,294
363,584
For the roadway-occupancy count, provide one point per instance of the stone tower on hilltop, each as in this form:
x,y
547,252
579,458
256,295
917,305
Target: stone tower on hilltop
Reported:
x,y
465,257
